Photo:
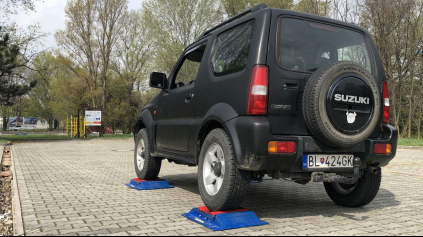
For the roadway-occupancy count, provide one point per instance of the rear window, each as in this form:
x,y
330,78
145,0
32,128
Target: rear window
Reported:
x,y
230,52
307,46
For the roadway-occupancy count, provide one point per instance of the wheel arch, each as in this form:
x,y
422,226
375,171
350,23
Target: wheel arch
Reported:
x,y
145,120
216,117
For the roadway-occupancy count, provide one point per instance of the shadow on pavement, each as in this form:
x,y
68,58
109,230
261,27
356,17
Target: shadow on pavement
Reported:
x,y
286,199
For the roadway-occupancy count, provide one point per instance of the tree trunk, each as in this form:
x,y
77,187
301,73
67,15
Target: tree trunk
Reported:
x,y
5,116
419,120
56,124
50,123
104,95
5,122
411,103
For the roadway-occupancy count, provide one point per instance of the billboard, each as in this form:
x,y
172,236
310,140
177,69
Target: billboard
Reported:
x,y
15,122
22,123
30,123
92,118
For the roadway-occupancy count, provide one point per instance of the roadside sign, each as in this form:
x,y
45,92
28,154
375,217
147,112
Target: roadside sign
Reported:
x,y
92,118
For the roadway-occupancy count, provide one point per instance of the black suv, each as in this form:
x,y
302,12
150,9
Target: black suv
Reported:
x,y
278,93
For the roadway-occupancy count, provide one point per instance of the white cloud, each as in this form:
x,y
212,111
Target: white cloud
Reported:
x,y
50,14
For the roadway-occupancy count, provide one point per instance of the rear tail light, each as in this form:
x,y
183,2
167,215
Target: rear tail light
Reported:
x,y
385,102
282,147
257,98
382,149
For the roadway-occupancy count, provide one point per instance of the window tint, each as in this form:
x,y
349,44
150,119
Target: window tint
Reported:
x,y
187,73
231,49
307,46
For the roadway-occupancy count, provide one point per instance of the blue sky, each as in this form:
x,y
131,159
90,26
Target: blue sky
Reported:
x,y
51,16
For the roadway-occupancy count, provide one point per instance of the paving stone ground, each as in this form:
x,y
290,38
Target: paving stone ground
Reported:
x,y
77,188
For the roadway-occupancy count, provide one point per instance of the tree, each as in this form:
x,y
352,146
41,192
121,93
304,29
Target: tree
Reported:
x,y
41,98
131,64
173,28
10,84
316,7
396,29
134,51
281,4
91,34
234,7
8,7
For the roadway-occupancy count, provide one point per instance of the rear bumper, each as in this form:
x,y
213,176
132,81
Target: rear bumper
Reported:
x,y
250,136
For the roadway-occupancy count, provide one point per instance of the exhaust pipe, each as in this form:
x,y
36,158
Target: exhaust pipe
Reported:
x,y
372,170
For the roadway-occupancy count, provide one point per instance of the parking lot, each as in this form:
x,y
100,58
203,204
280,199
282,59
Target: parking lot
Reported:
x,y
77,188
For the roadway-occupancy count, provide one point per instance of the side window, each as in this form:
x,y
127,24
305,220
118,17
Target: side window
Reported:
x,y
187,72
231,49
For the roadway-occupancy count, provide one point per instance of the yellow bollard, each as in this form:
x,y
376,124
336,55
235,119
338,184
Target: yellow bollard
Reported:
x,y
85,130
81,124
67,124
71,127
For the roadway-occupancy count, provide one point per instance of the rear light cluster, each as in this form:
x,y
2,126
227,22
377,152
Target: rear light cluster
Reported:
x,y
382,149
257,97
385,102
282,147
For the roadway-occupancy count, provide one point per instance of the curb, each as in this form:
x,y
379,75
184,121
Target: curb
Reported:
x,y
411,147
18,229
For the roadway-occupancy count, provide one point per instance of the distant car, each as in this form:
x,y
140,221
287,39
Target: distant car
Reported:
x,y
108,131
278,93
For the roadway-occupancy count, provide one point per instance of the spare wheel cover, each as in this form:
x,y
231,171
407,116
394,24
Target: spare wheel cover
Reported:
x,y
341,104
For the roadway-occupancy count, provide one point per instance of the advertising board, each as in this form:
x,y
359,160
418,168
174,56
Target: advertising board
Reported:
x,y
22,123
92,118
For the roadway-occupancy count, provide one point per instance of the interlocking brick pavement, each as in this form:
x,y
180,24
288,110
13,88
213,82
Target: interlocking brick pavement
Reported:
x,y
77,188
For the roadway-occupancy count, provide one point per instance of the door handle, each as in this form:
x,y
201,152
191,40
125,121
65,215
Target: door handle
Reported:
x,y
189,96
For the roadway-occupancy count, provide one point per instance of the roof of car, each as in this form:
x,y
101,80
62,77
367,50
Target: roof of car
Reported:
x,y
316,17
263,7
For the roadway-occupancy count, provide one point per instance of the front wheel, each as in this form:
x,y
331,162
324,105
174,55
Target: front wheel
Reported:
x,y
222,185
147,167
355,195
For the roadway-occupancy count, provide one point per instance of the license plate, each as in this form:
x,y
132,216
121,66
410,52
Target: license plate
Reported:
x,y
327,161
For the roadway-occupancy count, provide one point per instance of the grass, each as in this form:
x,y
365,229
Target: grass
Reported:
x,y
32,130
410,142
47,137
30,137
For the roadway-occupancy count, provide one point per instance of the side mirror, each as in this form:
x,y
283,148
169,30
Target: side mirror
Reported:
x,y
158,80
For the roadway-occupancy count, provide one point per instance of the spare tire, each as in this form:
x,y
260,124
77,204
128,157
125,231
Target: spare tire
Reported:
x,y
341,104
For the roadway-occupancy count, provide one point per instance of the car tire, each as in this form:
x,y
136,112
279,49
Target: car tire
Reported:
x,y
328,118
356,195
147,167
222,185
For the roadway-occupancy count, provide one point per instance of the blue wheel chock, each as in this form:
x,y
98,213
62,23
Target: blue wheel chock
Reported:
x,y
226,220
148,184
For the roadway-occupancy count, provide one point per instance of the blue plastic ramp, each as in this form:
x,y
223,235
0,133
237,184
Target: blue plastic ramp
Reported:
x,y
148,184
227,220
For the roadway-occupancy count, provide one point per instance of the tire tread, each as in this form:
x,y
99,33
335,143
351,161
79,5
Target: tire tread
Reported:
x,y
152,165
365,192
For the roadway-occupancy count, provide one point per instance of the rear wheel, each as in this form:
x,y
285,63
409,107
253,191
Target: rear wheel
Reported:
x,y
222,185
146,166
355,195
